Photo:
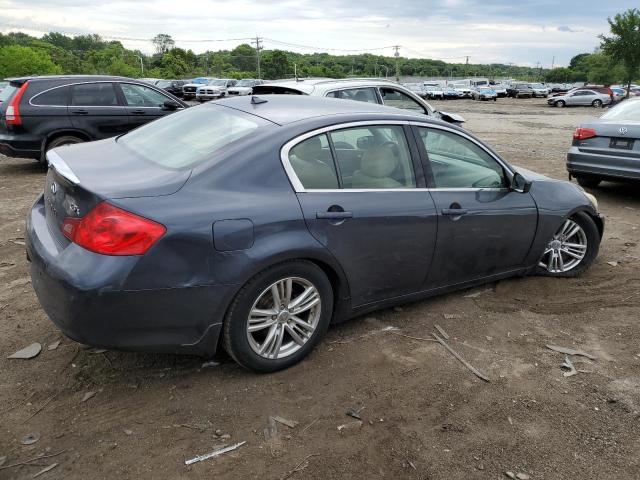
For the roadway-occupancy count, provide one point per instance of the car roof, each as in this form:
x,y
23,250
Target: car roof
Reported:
x,y
309,85
38,78
285,109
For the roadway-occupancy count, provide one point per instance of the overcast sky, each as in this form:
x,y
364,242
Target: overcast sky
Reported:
x,y
519,31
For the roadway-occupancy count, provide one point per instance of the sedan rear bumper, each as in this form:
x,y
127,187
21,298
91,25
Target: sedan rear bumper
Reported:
x,y
80,292
602,165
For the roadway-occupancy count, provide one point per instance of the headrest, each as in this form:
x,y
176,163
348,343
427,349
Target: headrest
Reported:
x,y
379,161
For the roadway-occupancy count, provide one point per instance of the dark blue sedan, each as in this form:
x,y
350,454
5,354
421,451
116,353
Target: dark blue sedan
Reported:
x,y
255,222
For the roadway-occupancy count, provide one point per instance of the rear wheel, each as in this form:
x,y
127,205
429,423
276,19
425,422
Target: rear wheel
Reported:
x,y
58,142
279,316
597,103
572,249
588,182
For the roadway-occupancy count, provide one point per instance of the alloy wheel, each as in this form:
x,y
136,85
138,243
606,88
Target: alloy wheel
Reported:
x,y
283,318
566,249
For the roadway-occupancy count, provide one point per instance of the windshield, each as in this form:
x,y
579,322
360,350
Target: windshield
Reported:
x,y
246,83
163,83
200,80
628,110
6,93
537,85
218,83
190,137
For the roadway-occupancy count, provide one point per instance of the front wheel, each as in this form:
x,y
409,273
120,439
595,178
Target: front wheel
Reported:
x,y
572,249
560,104
279,316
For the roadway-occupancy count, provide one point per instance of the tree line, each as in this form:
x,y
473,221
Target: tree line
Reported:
x,y
617,60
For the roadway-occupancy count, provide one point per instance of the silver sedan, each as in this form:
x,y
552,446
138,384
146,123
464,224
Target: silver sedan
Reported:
x,y
580,98
607,148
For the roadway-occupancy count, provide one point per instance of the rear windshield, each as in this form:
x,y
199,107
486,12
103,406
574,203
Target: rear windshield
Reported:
x,y
7,92
187,138
627,110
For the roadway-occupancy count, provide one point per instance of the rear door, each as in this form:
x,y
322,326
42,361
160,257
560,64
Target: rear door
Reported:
x,y
366,203
143,104
95,109
484,228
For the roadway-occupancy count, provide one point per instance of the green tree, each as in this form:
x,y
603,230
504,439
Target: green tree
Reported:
x,y
163,43
623,44
243,57
275,64
16,61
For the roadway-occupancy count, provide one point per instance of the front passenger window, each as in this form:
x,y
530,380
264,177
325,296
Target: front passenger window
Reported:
x,y
139,96
457,162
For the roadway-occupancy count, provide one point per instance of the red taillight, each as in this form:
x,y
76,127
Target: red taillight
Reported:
x,y
584,133
109,230
12,113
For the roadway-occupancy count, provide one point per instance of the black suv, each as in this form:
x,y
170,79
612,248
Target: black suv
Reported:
x,y
40,113
520,90
174,87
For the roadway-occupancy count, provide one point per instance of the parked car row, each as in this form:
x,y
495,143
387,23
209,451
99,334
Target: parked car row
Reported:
x,y
204,89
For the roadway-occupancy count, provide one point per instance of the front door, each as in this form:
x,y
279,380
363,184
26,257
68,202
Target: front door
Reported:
x,y
144,104
361,200
484,227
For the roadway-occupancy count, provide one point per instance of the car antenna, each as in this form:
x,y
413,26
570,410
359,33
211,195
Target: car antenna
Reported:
x,y
257,100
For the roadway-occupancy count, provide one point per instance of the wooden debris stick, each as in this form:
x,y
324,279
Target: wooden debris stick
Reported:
x,y
442,332
570,351
462,360
215,453
41,457
46,469
414,338
301,466
51,398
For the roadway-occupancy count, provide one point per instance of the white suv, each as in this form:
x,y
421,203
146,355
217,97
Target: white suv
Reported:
x,y
216,88
378,91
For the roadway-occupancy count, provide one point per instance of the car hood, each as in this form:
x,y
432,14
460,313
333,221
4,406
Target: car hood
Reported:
x,y
113,171
241,89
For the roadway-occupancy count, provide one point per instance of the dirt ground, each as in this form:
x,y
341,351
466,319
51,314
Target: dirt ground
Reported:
x,y
425,416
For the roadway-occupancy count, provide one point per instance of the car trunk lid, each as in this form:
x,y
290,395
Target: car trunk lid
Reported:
x,y
76,181
612,138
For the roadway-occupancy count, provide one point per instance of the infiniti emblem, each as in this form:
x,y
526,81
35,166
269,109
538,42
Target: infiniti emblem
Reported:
x,y
623,130
54,188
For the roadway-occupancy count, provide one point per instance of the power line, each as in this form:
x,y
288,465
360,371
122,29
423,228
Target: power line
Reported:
x,y
288,44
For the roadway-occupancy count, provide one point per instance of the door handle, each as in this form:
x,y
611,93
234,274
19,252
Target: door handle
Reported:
x,y
137,112
334,215
454,212
80,112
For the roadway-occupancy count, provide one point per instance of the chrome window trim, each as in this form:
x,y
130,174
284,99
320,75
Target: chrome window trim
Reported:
x,y
152,87
299,188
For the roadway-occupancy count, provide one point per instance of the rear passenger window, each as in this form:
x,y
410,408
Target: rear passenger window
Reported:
x,y
373,158
56,97
358,94
313,163
94,95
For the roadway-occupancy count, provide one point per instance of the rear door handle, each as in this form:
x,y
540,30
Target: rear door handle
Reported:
x,y
454,212
334,215
80,112
137,112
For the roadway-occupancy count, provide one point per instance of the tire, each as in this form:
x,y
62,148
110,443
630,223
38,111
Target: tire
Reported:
x,y
58,142
242,346
592,236
495,99
560,104
588,182
597,103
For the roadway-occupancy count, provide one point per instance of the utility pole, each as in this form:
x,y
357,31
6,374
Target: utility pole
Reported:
x,y
466,66
141,64
258,44
397,55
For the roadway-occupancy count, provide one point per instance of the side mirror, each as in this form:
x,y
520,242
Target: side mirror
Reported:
x,y
520,184
170,105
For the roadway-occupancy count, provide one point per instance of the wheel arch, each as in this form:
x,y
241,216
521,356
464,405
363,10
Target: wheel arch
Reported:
x,y
60,133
